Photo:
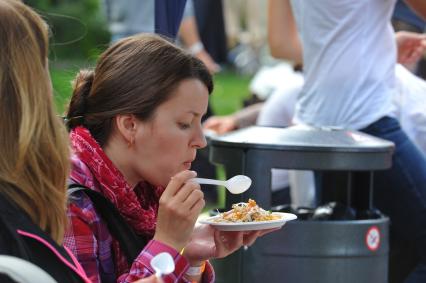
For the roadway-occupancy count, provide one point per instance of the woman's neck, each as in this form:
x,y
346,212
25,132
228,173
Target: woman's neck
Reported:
x,y
119,155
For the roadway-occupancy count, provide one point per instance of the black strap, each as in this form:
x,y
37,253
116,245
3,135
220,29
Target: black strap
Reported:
x,y
130,243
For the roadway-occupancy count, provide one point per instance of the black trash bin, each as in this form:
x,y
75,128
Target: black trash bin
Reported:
x,y
305,250
322,251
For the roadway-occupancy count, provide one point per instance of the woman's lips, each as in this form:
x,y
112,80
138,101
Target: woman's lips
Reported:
x,y
187,165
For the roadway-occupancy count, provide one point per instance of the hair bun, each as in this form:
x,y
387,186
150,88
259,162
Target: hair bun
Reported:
x,y
82,85
83,82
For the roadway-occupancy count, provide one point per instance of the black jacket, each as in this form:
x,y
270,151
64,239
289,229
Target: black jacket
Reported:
x,y
20,237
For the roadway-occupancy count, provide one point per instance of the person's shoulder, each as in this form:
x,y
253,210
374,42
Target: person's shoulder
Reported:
x,y
80,172
81,207
12,218
8,236
16,225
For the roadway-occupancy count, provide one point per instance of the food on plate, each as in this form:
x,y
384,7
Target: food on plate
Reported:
x,y
246,212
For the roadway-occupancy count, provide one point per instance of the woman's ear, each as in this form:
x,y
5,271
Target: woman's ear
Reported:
x,y
126,127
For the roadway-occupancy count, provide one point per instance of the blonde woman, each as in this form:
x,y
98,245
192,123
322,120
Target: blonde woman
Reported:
x,y
34,150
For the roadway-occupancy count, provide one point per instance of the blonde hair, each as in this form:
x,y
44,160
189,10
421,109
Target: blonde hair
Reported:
x,y
34,151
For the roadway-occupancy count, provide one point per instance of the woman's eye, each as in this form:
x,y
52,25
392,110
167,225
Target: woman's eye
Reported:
x,y
184,126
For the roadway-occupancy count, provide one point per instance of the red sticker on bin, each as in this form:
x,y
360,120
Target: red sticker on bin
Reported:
x,y
372,238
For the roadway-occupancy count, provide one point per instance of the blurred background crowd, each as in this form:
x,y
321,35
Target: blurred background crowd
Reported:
x,y
230,37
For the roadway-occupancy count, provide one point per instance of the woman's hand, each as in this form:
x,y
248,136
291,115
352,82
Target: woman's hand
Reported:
x,y
411,46
211,65
207,242
180,205
221,124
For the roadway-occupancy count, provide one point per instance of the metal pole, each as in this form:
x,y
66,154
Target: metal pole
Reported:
x,y
349,189
371,186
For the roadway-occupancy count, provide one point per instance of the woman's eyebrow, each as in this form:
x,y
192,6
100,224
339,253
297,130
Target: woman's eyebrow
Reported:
x,y
194,113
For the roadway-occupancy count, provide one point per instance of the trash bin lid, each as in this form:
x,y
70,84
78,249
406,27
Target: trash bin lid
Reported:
x,y
324,143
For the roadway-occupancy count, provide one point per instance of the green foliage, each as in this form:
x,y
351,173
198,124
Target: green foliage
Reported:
x,y
38,4
78,28
62,77
230,89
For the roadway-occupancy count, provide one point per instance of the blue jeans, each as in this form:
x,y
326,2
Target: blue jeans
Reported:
x,y
400,193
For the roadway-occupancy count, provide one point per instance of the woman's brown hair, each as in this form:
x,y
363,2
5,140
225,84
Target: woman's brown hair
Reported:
x,y
34,151
133,76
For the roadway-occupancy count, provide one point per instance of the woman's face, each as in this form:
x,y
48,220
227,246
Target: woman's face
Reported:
x,y
167,143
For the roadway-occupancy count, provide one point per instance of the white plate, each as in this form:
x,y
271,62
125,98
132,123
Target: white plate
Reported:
x,y
249,226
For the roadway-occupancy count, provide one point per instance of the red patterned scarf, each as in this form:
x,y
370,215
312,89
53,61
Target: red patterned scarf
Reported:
x,y
138,205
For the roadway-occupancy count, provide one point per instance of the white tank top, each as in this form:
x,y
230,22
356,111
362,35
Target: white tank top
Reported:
x,y
349,56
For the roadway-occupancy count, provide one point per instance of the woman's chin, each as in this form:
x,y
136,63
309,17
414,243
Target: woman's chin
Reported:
x,y
187,165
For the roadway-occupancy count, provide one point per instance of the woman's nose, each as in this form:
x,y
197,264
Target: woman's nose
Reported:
x,y
200,140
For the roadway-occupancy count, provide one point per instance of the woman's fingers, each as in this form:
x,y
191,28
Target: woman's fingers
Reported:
x,y
247,238
188,197
235,241
177,181
227,242
182,191
250,237
189,189
183,195
179,208
198,203
267,231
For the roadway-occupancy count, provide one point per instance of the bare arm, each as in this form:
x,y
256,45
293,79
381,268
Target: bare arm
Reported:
x,y
188,32
419,6
240,119
411,46
283,37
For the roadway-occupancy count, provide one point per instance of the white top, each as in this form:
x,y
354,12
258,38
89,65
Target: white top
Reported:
x,y
409,102
349,56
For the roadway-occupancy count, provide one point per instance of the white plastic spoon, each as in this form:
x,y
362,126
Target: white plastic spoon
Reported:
x,y
236,185
163,264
